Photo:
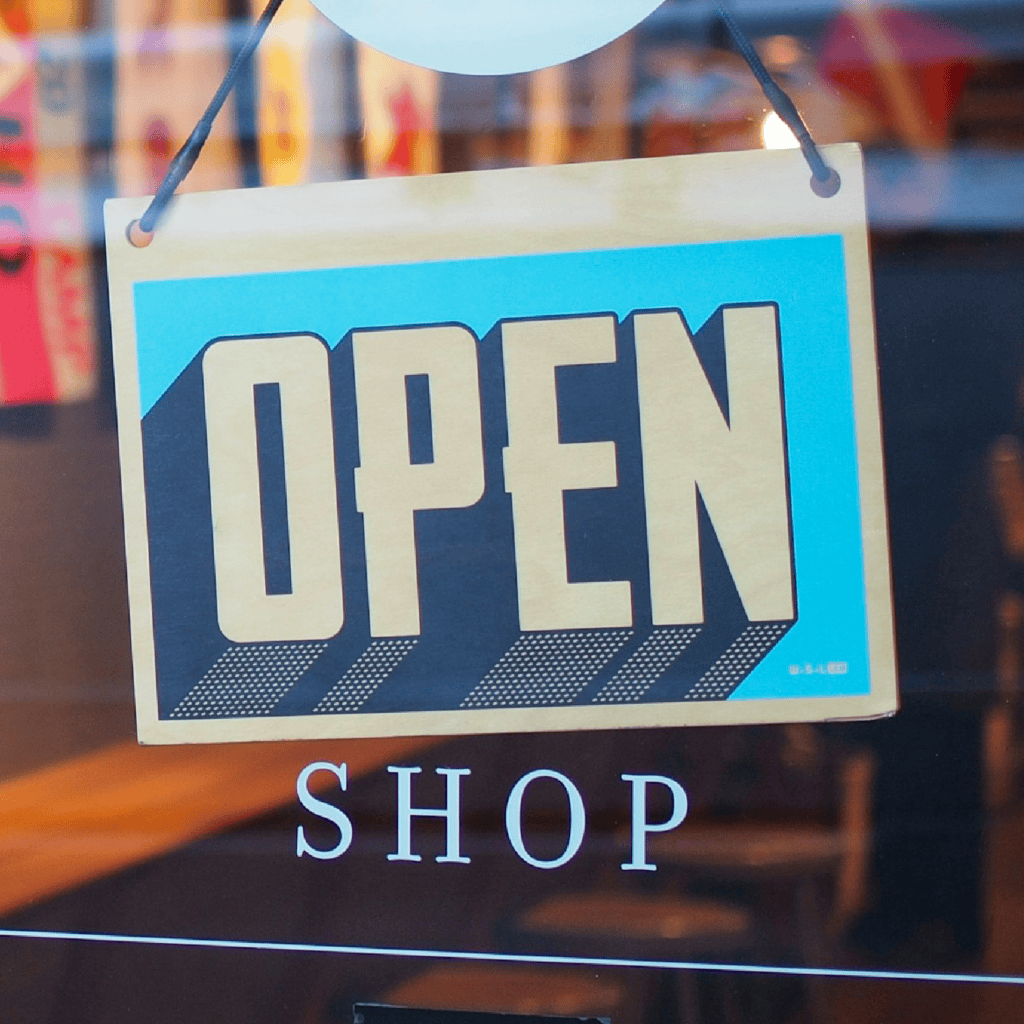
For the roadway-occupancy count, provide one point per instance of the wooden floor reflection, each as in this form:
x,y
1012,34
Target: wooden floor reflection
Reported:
x,y
88,817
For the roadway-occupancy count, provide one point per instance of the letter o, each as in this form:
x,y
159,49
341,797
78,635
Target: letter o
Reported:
x,y
514,819
300,366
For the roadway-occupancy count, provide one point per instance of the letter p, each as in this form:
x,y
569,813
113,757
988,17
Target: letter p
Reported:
x,y
640,826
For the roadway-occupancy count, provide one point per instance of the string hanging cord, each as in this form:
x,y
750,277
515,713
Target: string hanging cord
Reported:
x,y
825,180
140,232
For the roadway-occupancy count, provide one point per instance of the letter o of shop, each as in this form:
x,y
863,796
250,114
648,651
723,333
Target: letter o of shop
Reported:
x,y
514,819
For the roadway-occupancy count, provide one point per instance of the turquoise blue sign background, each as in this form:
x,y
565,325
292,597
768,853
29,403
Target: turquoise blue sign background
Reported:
x,y
824,654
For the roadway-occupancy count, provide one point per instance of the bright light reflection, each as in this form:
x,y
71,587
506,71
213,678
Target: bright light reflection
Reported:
x,y
775,134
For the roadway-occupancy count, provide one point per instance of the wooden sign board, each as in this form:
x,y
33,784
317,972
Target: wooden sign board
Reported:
x,y
569,447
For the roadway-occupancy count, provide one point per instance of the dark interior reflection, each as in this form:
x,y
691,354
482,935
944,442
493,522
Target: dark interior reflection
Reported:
x,y
889,844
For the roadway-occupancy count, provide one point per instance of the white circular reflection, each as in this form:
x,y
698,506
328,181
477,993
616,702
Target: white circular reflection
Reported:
x,y
485,37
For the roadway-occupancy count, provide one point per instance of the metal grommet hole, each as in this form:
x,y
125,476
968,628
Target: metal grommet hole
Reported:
x,y
829,187
137,236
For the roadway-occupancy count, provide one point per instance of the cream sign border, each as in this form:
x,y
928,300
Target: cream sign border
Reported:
x,y
621,204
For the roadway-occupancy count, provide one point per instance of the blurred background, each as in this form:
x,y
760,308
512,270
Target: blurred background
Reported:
x,y
889,845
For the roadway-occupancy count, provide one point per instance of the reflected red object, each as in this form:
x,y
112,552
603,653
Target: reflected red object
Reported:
x,y
157,144
283,136
16,16
669,138
407,124
25,371
936,58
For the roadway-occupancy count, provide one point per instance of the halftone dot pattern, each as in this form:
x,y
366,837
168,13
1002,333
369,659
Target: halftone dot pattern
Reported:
x,y
364,675
647,664
248,679
738,661
541,669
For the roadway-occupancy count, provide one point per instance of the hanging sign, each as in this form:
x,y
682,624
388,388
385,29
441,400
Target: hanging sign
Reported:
x,y
543,448
64,259
26,374
47,335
